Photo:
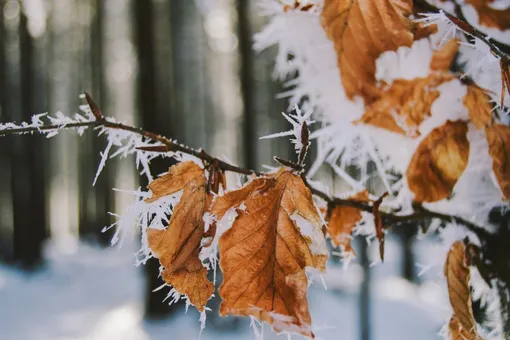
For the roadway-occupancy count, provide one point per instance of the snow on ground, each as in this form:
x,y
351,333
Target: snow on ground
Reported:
x,y
96,294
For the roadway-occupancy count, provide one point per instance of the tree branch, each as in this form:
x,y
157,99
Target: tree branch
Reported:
x,y
389,219
499,49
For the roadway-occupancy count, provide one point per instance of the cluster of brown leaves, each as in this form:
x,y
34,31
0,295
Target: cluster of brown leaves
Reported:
x,y
462,323
361,31
262,256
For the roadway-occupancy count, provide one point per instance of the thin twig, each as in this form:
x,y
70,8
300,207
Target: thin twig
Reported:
x,y
389,219
171,146
499,49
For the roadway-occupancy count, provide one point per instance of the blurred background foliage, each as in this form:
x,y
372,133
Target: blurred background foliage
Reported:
x,y
184,69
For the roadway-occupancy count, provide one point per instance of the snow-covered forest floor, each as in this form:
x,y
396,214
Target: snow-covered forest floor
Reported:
x,y
91,293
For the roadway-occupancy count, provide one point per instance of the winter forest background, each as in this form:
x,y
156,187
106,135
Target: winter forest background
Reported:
x,y
185,69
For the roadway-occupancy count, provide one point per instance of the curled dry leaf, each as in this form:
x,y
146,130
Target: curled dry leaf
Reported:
x,y
490,17
178,246
264,254
504,64
478,104
498,137
405,104
438,162
457,276
443,57
361,31
343,220
422,30
458,333
378,224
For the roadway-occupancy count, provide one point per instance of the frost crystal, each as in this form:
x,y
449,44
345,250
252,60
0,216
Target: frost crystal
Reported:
x,y
298,121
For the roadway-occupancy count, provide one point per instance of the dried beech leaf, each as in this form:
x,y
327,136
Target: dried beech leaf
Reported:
x,y
422,30
498,137
438,162
458,333
343,220
176,179
457,276
442,58
361,31
264,254
477,102
378,224
178,246
490,17
505,78
404,105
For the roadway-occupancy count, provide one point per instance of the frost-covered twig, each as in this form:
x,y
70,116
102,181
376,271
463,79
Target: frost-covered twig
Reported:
x,y
389,219
108,123
300,130
499,49
96,119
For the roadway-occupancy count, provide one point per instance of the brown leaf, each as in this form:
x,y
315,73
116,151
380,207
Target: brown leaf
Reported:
x,y
438,162
343,220
298,5
458,333
178,246
404,105
264,254
442,58
505,78
422,30
378,224
490,17
477,102
457,276
176,179
361,31
498,137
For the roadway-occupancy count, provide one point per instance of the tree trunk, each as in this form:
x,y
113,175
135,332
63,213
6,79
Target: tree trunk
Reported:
x,y
27,157
6,223
151,119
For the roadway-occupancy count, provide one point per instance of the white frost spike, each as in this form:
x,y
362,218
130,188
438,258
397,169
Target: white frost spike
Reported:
x,y
104,157
297,118
257,327
203,318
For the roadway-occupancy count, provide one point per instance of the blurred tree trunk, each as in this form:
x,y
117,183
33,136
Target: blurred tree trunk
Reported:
x,y
246,71
262,110
95,201
27,169
6,247
407,234
152,119
365,294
